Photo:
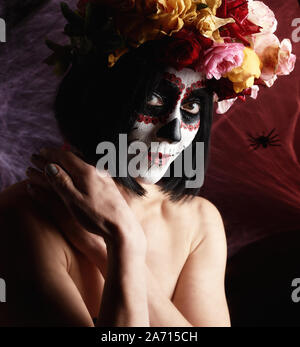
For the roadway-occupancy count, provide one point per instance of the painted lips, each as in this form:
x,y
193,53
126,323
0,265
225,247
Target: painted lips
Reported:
x,y
159,158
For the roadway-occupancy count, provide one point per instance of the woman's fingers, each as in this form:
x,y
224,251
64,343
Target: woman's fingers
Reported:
x,y
39,161
37,177
62,183
66,159
53,187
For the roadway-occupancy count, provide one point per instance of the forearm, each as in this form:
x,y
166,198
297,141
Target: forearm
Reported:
x,y
124,298
162,312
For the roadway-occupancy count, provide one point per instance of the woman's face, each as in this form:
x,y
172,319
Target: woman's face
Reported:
x,y
169,121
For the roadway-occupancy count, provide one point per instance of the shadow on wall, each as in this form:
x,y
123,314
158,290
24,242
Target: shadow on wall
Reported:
x,y
259,282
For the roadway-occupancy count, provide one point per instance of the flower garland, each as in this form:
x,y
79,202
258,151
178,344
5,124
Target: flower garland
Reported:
x,y
231,42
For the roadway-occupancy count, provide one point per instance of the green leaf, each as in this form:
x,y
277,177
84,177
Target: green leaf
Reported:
x,y
53,46
88,16
201,6
60,59
72,17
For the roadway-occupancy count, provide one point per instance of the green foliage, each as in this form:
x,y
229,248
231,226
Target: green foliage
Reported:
x,y
93,33
201,6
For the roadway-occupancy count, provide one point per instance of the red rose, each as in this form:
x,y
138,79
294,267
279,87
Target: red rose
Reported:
x,y
224,89
238,10
183,49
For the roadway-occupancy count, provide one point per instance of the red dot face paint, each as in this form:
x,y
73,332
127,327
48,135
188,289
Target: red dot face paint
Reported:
x,y
165,104
158,159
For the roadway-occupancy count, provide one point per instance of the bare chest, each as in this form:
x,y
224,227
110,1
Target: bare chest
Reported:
x,y
167,250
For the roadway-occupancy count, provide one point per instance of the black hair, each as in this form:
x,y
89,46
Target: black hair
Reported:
x,y
95,103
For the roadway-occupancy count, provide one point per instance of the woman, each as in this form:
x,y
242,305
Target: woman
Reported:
x,y
165,261
124,251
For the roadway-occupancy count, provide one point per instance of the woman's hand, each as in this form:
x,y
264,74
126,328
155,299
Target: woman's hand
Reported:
x,y
91,245
94,201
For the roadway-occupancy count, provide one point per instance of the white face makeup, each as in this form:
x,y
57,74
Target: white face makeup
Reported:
x,y
170,121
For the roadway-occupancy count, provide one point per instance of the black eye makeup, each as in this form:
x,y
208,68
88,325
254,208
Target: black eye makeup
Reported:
x,y
162,100
164,97
155,100
191,107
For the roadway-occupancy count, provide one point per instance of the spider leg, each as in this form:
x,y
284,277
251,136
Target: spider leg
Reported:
x,y
274,141
270,132
272,144
256,145
273,137
251,137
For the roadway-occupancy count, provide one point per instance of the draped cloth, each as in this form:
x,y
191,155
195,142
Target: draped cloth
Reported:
x,y
256,190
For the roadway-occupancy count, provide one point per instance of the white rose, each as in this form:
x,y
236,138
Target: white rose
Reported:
x,y
261,15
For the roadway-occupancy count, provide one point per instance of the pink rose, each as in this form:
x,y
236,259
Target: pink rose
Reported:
x,y
276,57
266,46
286,60
225,105
222,58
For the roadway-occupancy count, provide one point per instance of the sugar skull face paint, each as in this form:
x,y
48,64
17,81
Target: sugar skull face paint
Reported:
x,y
169,121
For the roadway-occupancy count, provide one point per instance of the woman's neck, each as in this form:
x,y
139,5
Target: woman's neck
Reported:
x,y
152,197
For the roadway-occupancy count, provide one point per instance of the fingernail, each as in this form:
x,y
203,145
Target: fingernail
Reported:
x,y
51,170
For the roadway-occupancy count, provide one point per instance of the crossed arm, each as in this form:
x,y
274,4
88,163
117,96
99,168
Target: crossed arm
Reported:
x,y
43,293
199,297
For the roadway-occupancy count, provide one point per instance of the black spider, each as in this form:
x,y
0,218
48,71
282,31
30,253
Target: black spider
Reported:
x,y
264,140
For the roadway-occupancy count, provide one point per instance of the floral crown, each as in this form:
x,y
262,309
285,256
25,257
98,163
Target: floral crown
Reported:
x,y
230,42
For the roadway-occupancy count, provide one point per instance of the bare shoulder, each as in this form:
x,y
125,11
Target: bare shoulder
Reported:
x,y
208,223
26,231
35,261
208,211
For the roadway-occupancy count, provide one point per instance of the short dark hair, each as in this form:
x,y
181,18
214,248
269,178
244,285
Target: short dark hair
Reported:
x,y
95,103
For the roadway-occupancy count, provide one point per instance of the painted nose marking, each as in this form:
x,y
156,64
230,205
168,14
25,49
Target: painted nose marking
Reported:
x,y
170,131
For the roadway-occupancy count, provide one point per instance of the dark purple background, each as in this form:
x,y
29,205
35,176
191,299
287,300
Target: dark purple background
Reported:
x,y
257,192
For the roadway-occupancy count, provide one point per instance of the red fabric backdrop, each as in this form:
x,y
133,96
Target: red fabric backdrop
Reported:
x,y
258,191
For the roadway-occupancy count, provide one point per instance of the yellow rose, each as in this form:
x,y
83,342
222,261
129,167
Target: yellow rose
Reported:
x,y
206,21
213,5
153,19
114,57
243,76
208,24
